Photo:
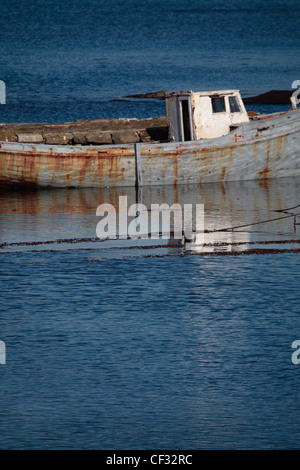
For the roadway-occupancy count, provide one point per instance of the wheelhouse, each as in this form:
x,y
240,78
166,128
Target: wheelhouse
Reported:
x,y
203,115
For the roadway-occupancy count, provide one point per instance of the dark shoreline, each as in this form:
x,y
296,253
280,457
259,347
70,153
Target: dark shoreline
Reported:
x,y
270,97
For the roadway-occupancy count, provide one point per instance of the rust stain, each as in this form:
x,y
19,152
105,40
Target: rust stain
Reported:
x,y
230,156
35,168
122,173
279,147
223,190
264,184
268,153
175,169
222,174
265,173
206,156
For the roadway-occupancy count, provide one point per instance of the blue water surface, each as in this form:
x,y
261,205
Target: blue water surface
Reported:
x,y
122,355
177,352
63,61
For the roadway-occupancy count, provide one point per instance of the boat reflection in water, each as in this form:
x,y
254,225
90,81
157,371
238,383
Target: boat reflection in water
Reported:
x,y
209,242
66,219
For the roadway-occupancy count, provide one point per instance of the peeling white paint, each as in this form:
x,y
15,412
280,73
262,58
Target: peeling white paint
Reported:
x,y
203,123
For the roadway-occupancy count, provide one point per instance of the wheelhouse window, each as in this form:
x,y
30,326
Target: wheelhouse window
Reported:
x,y
234,105
218,105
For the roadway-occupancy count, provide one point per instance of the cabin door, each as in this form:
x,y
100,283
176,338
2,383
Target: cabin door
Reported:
x,y
185,128
185,119
179,111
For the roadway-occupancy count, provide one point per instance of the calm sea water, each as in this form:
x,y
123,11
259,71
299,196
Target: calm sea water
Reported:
x,y
134,348
121,355
66,60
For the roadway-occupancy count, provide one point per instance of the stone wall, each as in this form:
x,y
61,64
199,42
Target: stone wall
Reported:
x,y
89,132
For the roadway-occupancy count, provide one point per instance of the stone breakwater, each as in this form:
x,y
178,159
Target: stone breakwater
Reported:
x,y
87,132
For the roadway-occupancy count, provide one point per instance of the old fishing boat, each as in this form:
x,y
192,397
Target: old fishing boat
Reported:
x,y
210,138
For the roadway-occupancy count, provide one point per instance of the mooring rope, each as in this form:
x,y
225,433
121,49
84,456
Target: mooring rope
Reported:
x,y
285,210
253,223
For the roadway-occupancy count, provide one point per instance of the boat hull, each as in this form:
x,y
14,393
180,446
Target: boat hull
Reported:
x,y
262,149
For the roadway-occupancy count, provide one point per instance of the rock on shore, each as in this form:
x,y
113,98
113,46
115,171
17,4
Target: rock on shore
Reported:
x,y
271,97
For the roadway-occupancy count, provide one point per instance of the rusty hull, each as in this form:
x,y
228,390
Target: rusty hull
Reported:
x,y
254,150
58,166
